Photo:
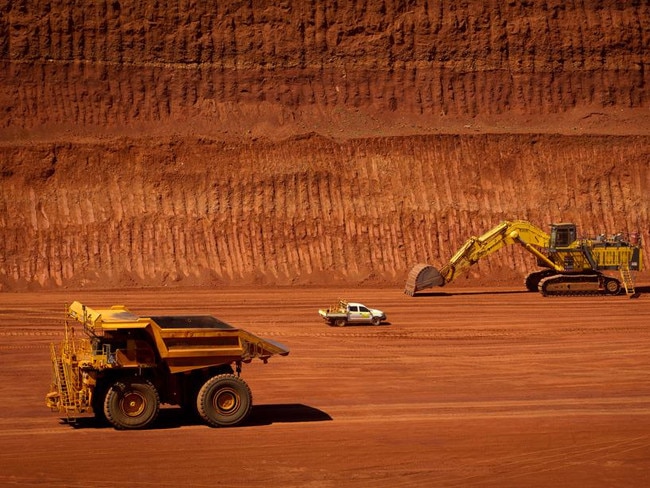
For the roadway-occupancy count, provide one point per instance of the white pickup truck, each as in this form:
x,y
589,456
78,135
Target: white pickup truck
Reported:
x,y
344,313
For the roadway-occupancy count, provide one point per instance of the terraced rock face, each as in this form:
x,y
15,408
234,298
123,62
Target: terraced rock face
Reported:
x,y
288,142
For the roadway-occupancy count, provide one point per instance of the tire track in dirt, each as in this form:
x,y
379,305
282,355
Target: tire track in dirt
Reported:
x,y
426,412
554,459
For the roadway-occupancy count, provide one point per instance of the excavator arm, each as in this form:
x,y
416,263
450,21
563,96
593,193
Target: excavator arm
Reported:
x,y
506,233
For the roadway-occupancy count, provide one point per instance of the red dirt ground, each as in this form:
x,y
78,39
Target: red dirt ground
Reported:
x,y
184,143
466,387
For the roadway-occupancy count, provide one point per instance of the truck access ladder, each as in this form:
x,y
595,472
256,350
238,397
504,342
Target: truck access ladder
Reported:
x,y
61,383
628,282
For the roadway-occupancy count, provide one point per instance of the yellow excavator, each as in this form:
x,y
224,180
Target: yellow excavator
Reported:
x,y
572,265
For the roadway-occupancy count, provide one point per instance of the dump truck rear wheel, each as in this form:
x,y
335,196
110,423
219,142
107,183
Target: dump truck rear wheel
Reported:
x,y
131,404
224,400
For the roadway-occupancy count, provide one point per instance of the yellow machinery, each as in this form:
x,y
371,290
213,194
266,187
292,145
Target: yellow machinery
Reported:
x,y
573,266
124,366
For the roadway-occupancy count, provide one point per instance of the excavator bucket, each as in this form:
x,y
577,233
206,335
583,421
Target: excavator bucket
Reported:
x,y
422,276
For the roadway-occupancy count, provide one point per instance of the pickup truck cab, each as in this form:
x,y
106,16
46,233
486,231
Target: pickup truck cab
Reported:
x,y
344,313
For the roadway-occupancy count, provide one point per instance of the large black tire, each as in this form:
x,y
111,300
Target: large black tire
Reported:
x,y
131,404
224,400
340,322
376,321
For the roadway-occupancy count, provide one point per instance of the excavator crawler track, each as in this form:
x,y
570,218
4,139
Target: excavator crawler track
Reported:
x,y
578,285
532,280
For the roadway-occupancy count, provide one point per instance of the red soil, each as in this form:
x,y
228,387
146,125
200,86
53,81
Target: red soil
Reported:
x,y
479,387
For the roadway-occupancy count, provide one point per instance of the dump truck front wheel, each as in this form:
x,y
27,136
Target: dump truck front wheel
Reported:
x,y
131,404
224,400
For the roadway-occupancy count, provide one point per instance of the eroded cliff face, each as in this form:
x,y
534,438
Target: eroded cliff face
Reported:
x,y
353,68
260,142
302,211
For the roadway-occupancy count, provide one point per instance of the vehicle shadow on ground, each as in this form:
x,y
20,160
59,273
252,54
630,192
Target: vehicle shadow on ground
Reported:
x,y
460,293
285,413
639,290
174,418
383,324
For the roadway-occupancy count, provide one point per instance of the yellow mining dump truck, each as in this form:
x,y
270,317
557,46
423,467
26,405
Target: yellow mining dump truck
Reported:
x,y
123,367
571,265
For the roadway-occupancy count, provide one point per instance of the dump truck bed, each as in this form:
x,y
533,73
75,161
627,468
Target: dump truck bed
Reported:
x,y
191,322
184,342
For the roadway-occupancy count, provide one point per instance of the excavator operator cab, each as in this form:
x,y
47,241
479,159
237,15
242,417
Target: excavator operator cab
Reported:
x,y
562,235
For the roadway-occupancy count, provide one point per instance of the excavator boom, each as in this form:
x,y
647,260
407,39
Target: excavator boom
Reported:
x,y
506,233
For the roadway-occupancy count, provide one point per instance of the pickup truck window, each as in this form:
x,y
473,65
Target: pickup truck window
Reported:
x,y
354,308
363,309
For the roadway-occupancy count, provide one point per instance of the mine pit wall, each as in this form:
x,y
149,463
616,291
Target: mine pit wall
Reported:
x,y
302,211
232,68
